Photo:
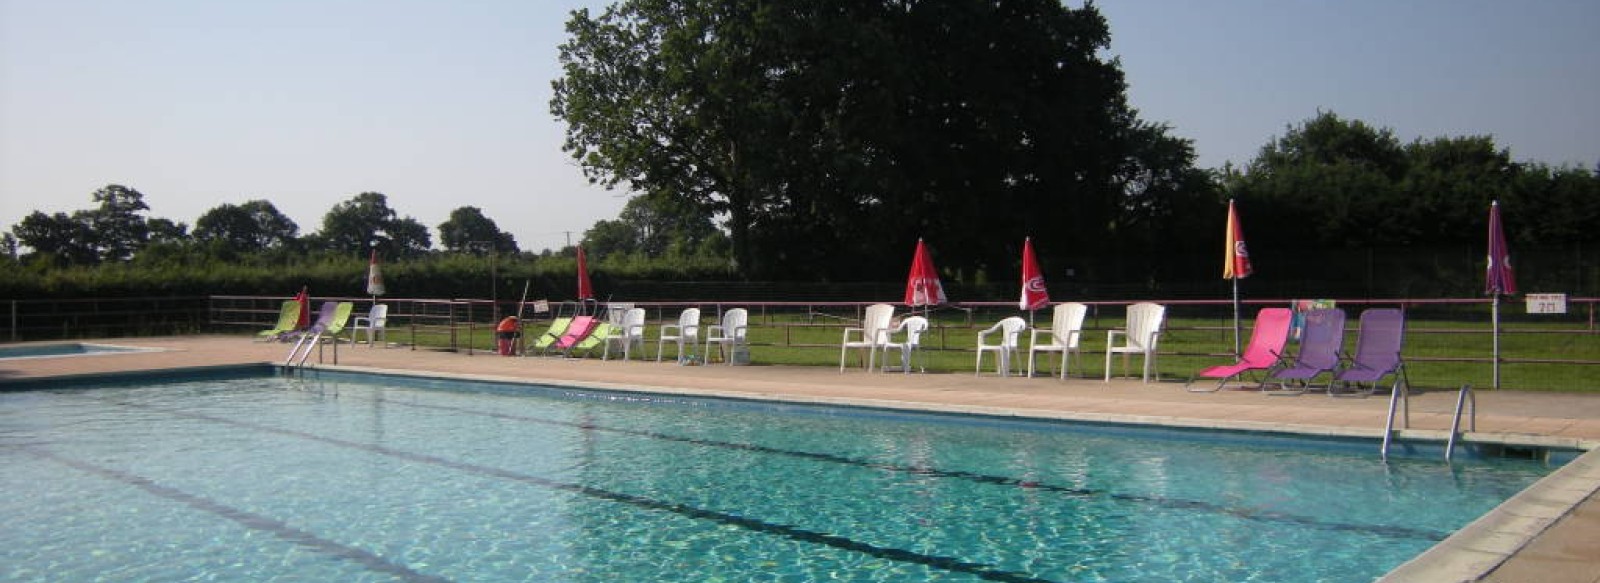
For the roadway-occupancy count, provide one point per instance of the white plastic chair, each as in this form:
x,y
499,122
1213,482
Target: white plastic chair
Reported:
x,y
1005,348
913,328
685,332
1066,326
870,336
375,324
630,331
1140,337
729,335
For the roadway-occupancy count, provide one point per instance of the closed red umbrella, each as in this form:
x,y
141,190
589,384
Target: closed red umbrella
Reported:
x,y
585,289
304,298
1034,295
923,287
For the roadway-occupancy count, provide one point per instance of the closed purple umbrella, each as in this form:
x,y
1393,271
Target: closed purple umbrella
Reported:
x,y
1501,279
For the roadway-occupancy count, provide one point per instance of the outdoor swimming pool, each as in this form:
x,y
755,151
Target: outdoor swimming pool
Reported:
x,y
344,477
63,349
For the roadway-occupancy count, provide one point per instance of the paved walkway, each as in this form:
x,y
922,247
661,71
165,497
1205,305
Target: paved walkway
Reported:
x,y
1549,533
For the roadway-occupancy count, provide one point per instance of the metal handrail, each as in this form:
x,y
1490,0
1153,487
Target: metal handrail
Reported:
x,y
1397,397
1468,398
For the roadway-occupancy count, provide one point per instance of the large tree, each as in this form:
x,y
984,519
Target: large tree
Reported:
x,y
60,238
366,222
847,128
120,229
468,226
252,227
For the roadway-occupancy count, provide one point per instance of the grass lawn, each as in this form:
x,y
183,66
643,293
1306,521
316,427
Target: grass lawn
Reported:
x,y
1439,354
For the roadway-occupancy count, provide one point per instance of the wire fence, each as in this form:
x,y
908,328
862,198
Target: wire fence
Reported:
x,y
1448,342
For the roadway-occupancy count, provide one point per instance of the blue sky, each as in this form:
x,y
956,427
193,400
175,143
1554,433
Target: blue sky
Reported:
x,y
440,103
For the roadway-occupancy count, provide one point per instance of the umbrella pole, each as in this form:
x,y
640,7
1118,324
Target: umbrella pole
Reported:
x,y
1236,347
1494,319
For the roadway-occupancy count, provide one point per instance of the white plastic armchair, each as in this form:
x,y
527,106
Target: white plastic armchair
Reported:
x,y
1066,328
910,333
630,331
685,333
375,324
1140,337
870,336
1004,348
729,335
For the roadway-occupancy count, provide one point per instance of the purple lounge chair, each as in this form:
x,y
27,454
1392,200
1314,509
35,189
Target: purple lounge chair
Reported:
x,y
1383,333
1267,337
1321,340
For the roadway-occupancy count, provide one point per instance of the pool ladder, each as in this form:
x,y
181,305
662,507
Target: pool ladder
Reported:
x,y
1466,400
297,358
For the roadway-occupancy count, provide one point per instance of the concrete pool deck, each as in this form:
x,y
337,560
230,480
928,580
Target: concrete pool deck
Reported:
x,y
1548,533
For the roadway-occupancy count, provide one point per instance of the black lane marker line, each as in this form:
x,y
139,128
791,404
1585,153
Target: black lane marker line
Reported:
x,y
980,570
1194,505
249,520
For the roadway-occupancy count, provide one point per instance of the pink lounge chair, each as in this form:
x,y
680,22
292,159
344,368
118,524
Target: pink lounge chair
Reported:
x,y
1267,338
579,329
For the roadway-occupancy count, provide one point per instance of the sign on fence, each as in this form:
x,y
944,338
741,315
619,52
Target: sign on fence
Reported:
x,y
1547,303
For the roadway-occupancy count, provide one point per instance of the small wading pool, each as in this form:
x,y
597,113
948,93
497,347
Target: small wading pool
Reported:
x,y
244,476
65,350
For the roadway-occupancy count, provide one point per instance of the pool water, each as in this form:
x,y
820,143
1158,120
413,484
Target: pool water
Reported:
x,y
63,349
349,478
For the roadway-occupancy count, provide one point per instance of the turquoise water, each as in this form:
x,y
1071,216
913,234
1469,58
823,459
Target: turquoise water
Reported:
x,y
55,350
379,479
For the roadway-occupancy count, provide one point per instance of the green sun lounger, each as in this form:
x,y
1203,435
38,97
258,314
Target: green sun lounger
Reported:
x,y
602,331
288,317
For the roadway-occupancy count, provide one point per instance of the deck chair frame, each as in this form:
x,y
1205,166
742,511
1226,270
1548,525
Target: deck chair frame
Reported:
x,y
1321,343
1379,343
1268,336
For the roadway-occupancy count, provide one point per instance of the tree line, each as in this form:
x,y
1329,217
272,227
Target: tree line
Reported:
x,y
116,229
817,141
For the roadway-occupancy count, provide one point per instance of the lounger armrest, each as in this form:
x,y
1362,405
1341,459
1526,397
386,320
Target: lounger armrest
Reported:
x,y
361,322
671,327
1033,339
1111,337
1155,340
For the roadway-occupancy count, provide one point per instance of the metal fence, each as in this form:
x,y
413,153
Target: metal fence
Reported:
x,y
1448,342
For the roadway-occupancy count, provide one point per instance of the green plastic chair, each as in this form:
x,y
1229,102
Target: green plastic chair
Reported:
x,y
288,317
